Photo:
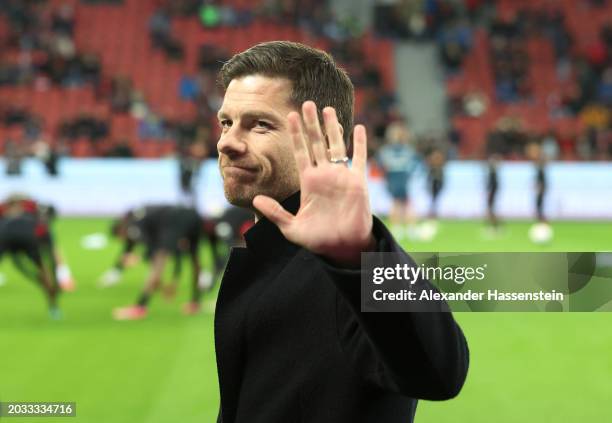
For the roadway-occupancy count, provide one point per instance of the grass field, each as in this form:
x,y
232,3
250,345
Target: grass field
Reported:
x,y
524,367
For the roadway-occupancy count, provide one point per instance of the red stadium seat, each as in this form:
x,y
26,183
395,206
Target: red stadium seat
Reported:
x,y
118,33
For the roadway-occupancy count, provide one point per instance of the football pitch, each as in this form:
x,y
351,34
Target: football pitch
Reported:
x,y
525,367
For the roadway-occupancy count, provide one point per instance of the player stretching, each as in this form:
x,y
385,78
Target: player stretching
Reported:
x,y
25,235
165,231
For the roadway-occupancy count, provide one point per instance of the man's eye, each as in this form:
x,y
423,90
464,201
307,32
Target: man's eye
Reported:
x,y
262,124
225,123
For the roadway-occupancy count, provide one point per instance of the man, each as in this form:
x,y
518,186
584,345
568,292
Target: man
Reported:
x,y
540,232
190,156
436,160
540,184
291,342
492,191
398,159
165,231
25,234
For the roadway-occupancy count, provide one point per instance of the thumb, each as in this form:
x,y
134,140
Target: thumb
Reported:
x,y
271,209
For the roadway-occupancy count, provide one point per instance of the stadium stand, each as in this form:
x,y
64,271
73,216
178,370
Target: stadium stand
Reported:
x,y
137,77
544,68
91,77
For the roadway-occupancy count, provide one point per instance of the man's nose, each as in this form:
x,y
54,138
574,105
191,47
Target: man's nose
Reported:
x,y
231,143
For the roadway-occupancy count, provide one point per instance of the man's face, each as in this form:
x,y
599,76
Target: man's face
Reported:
x,y
255,151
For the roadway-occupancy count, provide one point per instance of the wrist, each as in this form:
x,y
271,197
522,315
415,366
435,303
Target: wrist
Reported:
x,y
351,257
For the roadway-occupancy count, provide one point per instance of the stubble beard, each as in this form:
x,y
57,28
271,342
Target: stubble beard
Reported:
x,y
278,187
239,195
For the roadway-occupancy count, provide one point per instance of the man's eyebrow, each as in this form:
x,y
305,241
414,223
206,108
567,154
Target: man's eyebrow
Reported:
x,y
253,115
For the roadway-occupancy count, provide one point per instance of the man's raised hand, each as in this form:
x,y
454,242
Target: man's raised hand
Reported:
x,y
334,219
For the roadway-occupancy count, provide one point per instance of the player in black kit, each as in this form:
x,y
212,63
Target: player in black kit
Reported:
x,y
165,232
541,232
540,189
25,234
534,152
436,160
492,188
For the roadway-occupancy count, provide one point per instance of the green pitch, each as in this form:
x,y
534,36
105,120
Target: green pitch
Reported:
x,y
524,367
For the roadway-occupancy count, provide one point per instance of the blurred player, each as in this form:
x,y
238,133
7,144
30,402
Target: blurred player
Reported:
x,y
127,230
232,224
541,187
436,160
190,157
492,189
165,231
26,236
541,232
398,159
223,233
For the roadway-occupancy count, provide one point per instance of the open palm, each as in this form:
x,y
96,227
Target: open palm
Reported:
x,y
334,219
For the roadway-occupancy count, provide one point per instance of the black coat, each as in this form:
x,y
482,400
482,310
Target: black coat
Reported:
x,y
292,345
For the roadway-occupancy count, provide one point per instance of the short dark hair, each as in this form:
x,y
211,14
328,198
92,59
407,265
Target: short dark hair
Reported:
x,y
313,73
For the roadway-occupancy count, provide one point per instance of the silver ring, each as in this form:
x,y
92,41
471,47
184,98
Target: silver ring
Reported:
x,y
343,160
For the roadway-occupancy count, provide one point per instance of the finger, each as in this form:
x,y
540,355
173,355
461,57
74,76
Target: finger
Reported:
x,y
337,148
360,149
300,150
271,209
313,131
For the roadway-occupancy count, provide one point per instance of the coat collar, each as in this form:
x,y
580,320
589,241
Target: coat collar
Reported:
x,y
265,237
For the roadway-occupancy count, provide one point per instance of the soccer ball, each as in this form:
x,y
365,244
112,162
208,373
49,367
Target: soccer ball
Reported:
x,y
428,230
541,233
223,230
205,280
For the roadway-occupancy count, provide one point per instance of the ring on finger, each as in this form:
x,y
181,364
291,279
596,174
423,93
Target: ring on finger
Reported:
x,y
342,160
